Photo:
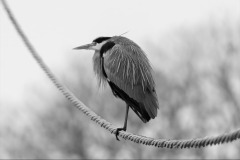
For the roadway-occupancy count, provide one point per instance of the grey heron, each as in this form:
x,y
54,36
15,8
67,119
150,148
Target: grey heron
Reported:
x,y
125,67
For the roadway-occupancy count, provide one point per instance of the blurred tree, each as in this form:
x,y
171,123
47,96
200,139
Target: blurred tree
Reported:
x,y
197,77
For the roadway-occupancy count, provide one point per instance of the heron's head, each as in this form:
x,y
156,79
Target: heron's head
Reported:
x,y
96,44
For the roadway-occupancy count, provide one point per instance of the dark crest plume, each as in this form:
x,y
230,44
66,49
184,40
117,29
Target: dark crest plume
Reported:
x,y
101,39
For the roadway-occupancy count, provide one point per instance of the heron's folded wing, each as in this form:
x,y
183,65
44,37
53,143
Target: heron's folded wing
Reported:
x,y
128,68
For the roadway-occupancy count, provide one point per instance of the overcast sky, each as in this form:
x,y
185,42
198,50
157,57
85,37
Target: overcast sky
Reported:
x,y
56,26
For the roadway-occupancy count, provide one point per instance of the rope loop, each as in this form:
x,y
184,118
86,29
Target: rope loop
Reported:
x,y
161,143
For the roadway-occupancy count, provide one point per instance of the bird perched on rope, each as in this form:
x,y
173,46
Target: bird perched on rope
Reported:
x,y
124,66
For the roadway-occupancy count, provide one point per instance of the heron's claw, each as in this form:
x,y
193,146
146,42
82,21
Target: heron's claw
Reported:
x,y
117,132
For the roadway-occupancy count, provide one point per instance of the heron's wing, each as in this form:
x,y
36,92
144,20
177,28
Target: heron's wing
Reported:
x,y
129,69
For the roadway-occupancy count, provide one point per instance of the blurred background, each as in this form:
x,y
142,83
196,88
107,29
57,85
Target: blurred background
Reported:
x,y
194,49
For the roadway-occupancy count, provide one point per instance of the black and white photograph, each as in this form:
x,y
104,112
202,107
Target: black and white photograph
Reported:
x,y
119,79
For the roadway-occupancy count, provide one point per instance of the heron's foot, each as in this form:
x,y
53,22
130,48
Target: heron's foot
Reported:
x,y
117,132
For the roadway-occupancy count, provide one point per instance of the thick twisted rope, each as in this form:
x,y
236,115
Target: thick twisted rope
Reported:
x,y
164,143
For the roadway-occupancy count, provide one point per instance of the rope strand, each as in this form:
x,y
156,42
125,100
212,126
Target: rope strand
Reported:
x,y
163,143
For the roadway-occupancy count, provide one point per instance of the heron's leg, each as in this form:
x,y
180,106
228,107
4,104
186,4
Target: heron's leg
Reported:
x,y
125,123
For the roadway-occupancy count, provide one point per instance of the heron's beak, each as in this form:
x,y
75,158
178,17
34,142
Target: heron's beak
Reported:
x,y
86,46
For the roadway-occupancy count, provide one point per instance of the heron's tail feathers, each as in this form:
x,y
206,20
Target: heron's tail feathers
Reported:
x,y
151,104
147,109
142,114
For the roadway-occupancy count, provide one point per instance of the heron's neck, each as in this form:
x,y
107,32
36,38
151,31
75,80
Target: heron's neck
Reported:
x,y
97,67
